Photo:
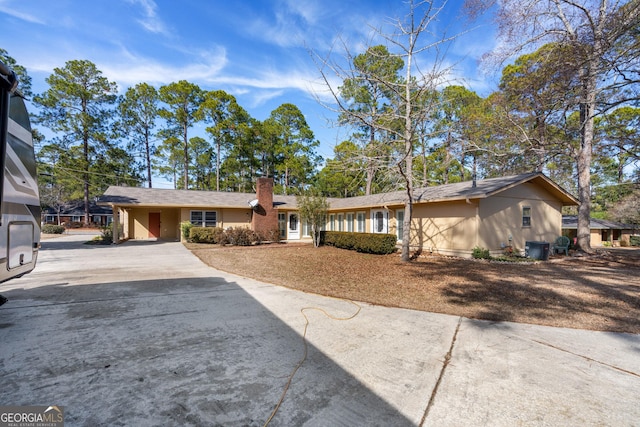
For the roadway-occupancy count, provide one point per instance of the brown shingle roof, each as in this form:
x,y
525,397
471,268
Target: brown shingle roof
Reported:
x,y
458,191
134,196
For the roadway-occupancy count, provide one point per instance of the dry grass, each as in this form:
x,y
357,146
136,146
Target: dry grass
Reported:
x,y
600,292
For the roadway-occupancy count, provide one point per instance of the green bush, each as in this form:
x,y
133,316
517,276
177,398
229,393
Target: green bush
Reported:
x,y
107,235
634,240
52,229
185,229
480,253
240,236
369,243
270,236
205,234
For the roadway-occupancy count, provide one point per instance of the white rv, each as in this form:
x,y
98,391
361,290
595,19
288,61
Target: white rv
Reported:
x,y
19,198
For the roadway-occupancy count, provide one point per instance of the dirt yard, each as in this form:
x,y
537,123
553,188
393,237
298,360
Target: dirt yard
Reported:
x,y
600,292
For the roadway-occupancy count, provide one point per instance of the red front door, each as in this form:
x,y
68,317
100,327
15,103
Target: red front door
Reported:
x,y
154,225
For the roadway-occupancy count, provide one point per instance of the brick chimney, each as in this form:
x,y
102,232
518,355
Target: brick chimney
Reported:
x,y
265,216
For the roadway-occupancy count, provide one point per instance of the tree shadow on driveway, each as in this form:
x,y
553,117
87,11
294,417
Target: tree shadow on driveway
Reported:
x,y
185,351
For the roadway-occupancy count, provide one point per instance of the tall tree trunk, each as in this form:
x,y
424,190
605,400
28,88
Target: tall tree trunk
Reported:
x,y
85,153
587,111
370,163
217,165
186,158
408,160
148,156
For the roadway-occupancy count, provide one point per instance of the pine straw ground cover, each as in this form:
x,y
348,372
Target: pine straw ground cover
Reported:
x,y
600,292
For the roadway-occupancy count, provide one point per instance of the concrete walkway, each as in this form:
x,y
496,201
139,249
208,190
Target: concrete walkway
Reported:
x,y
145,334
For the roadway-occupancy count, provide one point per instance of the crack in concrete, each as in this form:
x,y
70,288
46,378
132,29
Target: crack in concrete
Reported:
x,y
588,358
447,359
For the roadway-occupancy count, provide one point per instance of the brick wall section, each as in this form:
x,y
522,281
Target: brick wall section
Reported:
x,y
265,216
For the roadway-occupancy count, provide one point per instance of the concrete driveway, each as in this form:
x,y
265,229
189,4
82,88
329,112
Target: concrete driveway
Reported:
x,y
144,334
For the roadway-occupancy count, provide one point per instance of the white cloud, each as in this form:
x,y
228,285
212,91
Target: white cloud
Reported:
x,y
260,98
310,10
133,69
11,11
150,21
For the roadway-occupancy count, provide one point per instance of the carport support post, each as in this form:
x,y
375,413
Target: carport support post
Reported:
x,y
115,224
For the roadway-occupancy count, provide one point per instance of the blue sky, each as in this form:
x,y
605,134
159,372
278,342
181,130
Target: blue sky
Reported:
x,y
257,51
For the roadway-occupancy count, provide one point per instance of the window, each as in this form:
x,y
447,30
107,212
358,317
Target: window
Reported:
x,y
340,222
306,229
350,222
400,223
204,218
210,219
379,221
282,225
361,222
526,216
293,222
332,222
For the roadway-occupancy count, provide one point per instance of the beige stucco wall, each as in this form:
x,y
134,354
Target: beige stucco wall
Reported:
x,y
235,218
123,223
445,228
501,217
136,226
225,217
596,237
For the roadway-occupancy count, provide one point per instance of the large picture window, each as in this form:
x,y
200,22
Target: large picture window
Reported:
x,y
204,218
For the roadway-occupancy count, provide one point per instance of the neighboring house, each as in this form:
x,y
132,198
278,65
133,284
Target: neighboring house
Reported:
x,y
99,216
602,231
448,219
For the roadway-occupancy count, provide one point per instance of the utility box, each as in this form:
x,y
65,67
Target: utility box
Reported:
x,y
537,250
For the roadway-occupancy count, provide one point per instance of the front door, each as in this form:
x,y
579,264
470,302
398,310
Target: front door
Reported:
x,y
293,227
154,225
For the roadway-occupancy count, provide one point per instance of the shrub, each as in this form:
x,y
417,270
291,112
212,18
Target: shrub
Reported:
x,y
480,253
204,234
238,236
624,243
380,244
241,236
185,229
634,240
270,236
52,229
107,235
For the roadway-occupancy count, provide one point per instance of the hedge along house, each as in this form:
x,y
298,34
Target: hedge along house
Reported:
x,y
448,219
